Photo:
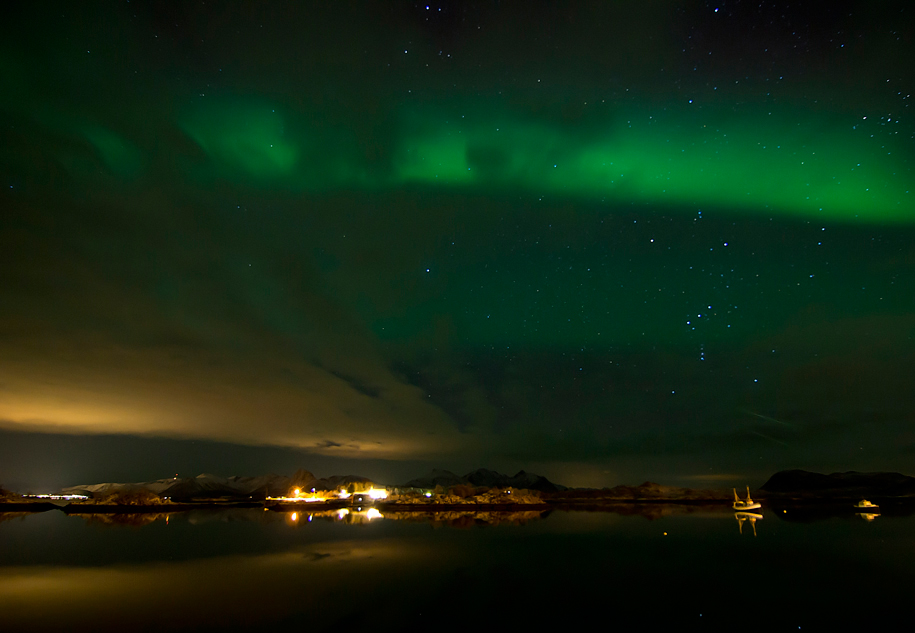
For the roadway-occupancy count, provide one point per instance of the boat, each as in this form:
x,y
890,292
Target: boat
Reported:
x,y
742,516
745,504
864,504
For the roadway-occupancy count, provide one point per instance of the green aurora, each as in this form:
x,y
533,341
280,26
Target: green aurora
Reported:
x,y
760,159
669,243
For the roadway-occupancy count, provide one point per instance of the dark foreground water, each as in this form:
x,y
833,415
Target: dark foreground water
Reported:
x,y
257,570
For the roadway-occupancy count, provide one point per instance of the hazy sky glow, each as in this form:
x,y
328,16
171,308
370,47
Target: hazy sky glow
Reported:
x,y
612,242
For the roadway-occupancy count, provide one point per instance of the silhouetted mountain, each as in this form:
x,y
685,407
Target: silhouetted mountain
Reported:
x,y
483,477
302,477
205,486
210,486
443,478
648,491
850,484
531,481
337,482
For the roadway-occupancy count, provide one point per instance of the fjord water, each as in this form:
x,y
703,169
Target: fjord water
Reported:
x,y
256,570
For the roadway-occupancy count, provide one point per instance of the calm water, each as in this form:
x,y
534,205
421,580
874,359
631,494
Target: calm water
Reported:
x,y
253,570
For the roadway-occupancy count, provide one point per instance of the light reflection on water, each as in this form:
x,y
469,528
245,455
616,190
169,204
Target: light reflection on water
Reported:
x,y
244,569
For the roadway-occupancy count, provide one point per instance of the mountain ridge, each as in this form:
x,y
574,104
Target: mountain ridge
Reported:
x,y
850,483
210,486
787,483
482,477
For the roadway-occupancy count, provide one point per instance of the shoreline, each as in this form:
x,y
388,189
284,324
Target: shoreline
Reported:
x,y
773,503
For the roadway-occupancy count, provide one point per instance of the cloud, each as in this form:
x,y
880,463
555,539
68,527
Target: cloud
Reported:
x,y
129,324
207,395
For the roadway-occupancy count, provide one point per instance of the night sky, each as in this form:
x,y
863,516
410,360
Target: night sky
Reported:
x,y
605,242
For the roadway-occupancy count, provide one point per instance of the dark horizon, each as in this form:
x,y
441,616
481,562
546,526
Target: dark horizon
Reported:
x,y
605,242
43,462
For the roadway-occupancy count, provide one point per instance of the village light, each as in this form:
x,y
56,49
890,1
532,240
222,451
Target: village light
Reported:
x,y
297,497
380,493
